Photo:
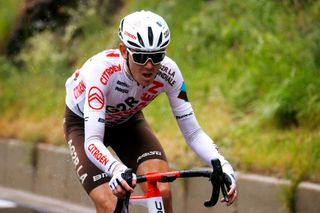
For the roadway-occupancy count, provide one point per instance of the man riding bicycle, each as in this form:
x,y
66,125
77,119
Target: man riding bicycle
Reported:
x,y
104,103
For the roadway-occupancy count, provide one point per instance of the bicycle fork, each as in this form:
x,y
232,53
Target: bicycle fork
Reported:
x,y
152,200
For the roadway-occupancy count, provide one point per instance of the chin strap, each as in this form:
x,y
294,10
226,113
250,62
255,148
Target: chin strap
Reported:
x,y
127,62
129,70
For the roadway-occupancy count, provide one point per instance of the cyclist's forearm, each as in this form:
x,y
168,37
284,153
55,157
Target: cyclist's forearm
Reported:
x,y
100,155
94,147
204,147
201,143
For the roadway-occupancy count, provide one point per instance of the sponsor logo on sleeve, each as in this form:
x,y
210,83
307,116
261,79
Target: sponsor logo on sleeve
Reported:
x,y
96,98
79,89
108,72
179,117
98,155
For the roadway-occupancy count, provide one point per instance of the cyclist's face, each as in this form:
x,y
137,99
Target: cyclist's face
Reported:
x,y
143,74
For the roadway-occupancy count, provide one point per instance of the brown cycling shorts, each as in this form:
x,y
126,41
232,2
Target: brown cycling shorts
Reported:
x,y
133,142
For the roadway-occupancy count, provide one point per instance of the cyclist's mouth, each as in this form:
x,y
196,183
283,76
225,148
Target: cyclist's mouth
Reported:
x,y
147,75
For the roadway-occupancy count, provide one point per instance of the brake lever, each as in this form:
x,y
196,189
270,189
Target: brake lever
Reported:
x,y
214,179
225,186
127,176
214,194
122,204
218,180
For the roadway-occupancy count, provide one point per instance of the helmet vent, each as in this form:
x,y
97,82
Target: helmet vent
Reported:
x,y
133,44
150,36
140,39
160,40
165,44
121,25
121,30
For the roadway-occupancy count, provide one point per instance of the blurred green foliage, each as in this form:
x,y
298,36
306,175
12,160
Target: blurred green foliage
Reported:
x,y
8,11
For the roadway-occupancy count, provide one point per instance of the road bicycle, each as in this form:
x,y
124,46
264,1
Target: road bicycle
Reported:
x,y
152,199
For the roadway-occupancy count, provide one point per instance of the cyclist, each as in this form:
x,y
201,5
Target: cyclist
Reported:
x,y
104,103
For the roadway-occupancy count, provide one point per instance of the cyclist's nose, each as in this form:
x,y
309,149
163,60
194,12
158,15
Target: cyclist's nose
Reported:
x,y
149,64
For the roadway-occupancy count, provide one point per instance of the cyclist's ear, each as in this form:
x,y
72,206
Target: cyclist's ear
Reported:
x,y
123,50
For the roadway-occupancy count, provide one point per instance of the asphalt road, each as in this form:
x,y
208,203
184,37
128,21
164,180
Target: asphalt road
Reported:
x,y
7,206
16,201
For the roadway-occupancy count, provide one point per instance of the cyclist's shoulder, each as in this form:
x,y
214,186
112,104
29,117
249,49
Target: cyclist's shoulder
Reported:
x,y
106,57
169,62
105,60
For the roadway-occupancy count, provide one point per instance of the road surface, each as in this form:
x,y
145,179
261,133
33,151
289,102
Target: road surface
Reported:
x,y
16,201
7,206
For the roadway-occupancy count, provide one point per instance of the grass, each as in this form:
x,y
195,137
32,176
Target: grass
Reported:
x,y
8,11
251,69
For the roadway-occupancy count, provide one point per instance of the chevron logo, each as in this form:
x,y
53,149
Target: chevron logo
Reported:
x,y
95,98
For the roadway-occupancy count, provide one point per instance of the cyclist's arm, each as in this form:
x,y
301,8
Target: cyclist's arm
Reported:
x,y
94,116
202,144
196,138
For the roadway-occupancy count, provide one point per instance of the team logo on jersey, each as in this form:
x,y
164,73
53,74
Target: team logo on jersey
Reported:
x,y
167,74
183,92
108,72
96,98
79,90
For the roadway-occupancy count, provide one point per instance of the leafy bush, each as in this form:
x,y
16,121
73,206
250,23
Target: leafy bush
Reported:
x,y
259,60
8,12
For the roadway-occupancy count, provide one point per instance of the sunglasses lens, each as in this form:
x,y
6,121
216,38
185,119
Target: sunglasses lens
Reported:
x,y
142,58
157,58
139,58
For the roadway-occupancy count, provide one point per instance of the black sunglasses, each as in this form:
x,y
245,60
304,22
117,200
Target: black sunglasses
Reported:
x,y
141,58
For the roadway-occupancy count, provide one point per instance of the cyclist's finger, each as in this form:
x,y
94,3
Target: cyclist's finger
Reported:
x,y
233,197
232,194
134,183
119,192
120,189
232,189
126,186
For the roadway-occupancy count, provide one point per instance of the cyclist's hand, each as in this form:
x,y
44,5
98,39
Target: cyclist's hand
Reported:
x,y
232,189
118,185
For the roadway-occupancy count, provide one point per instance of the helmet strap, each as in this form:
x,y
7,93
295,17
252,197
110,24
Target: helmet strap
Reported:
x,y
130,69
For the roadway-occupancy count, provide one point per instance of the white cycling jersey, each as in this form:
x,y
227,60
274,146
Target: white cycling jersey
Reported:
x,y
103,92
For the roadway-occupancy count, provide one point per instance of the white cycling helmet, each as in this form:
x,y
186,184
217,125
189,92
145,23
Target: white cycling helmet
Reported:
x,y
144,31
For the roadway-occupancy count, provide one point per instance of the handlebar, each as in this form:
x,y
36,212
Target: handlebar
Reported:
x,y
217,178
